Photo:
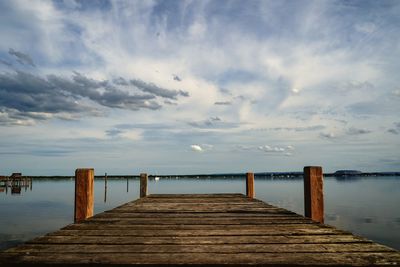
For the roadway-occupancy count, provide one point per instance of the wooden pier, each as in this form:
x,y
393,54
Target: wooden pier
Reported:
x,y
200,229
15,182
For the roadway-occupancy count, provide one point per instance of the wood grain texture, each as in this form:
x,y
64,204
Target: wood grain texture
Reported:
x,y
143,184
84,194
250,193
313,194
188,230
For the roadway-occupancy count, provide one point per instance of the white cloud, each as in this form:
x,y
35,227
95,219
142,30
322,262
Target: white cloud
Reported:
x,y
366,27
196,148
288,150
201,147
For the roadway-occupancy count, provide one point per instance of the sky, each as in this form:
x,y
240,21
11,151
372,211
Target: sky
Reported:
x,y
186,87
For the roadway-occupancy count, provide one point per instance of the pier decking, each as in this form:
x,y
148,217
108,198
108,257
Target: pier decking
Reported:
x,y
206,229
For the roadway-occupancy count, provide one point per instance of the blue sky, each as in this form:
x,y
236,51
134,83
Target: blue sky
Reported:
x,y
181,87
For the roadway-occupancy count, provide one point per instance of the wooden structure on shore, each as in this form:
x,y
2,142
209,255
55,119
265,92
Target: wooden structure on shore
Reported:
x,y
200,229
15,182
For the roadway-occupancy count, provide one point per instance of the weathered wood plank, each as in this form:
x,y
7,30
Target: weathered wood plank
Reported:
x,y
194,204
221,248
122,226
217,195
286,230
191,221
128,214
203,209
228,239
200,200
266,259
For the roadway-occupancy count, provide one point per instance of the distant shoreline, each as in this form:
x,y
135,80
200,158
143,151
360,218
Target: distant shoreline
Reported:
x,y
222,175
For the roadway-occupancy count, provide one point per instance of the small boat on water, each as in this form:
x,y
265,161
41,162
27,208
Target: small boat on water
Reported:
x,y
156,178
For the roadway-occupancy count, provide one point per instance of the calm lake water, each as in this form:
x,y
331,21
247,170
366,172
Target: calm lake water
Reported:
x,y
366,206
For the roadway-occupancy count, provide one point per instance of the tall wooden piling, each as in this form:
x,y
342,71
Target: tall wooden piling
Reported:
x,y
84,184
105,187
313,193
143,184
250,193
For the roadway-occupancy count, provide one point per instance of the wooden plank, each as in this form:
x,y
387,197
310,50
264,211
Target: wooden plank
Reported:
x,y
272,230
194,209
196,221
313,193
200,200
128,214
123,225
196,248
84,201
266,259
228,239
219,195
194,204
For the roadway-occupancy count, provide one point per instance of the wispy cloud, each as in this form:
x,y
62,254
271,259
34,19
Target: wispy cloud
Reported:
x,y
393,131
176,78
21,57
287,150
328,135
357,131
158,91
296,129
223,103
213,123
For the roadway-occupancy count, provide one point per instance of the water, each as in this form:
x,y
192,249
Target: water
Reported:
x,y
368,206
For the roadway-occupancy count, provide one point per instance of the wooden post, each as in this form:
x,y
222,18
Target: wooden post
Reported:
x,y
314,193
143,184
105,187
84,183
250,185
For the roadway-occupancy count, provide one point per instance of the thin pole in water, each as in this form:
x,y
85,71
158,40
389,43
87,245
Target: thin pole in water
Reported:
x,y
105,187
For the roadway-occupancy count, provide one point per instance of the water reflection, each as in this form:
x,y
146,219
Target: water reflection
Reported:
x,y
15,183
